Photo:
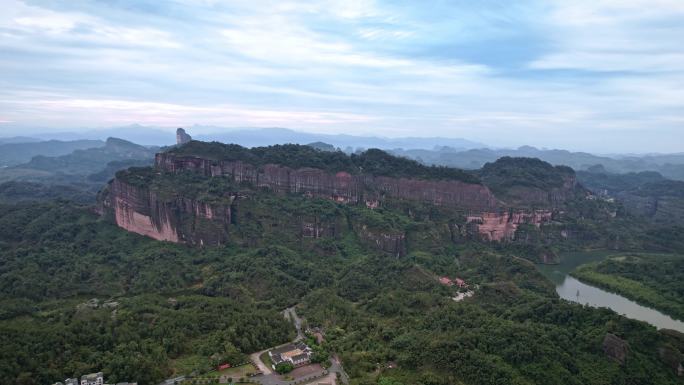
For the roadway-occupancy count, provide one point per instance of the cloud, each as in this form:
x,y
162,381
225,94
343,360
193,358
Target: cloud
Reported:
x,y
565,74
635,35
112,111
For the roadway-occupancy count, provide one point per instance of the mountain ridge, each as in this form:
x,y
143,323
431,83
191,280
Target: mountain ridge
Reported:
x,y
160,202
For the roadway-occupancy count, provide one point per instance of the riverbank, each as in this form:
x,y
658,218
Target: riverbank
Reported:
x,y
574,290
653,280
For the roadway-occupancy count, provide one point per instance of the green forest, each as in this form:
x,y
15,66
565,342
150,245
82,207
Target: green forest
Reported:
x,y
372,161
79,295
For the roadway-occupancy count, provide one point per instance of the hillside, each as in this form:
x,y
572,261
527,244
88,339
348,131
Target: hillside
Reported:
x,y
12,154
600,181
646,194
88,161
526,181
661,201
77,175
357,242
164,309
197,192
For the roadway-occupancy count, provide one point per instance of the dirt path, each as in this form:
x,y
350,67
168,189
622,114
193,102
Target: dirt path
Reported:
x,y
291,314
263,368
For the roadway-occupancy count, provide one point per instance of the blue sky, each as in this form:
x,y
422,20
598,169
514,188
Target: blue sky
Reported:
x,y
603,76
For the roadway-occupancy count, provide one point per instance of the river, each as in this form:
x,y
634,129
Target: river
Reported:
x,y
571,289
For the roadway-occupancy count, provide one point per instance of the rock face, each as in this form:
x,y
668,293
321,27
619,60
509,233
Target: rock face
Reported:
x,y
615,348
389,243
182,137
501,226
138,209
179,220
341,186
661,209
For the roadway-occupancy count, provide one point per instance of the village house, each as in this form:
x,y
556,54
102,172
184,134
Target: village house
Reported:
x,y
456,281
297,354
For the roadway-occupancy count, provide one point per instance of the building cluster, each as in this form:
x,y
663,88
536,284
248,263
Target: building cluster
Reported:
x,y
90,379
297,354
455,282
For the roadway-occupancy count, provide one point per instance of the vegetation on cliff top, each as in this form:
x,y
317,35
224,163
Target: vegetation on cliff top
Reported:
x,y
671,188
373,161
596,178
509,172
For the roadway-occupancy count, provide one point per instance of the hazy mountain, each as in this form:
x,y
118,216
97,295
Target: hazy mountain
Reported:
x,y
93,159
598,180
269,136
144,135
16,153
18,139
453,152
77,175
251,137
670,165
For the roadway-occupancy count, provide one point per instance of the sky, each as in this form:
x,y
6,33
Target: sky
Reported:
x,y
601,76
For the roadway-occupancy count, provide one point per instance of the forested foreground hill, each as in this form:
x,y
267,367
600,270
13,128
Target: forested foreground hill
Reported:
x,y
165,309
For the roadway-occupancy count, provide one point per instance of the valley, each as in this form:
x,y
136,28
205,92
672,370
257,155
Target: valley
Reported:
x,y
366,192
356,244
631,305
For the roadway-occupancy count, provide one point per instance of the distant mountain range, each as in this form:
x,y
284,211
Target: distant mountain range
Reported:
x,y
669,165
349,143
77,175
452,152
18,139
14,153
251,137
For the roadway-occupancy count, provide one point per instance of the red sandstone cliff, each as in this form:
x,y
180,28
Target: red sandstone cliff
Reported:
x,y
340,186
139,210
179,219
500,226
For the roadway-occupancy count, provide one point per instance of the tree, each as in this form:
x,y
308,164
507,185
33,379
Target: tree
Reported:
x,y
284,367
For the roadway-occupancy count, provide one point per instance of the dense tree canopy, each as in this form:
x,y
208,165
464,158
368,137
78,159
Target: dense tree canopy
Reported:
x,y
163,309
373,162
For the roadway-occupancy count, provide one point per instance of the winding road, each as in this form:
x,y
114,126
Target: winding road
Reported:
x,y
269,378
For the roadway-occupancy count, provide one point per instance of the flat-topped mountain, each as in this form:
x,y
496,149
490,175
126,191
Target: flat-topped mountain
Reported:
x,y
206,193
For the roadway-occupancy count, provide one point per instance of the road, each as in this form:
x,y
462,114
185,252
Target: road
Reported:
x,y
270,378
291,313
263,368
336,367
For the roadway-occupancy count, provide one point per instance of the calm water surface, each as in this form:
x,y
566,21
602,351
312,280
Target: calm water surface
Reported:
x,y
572,289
